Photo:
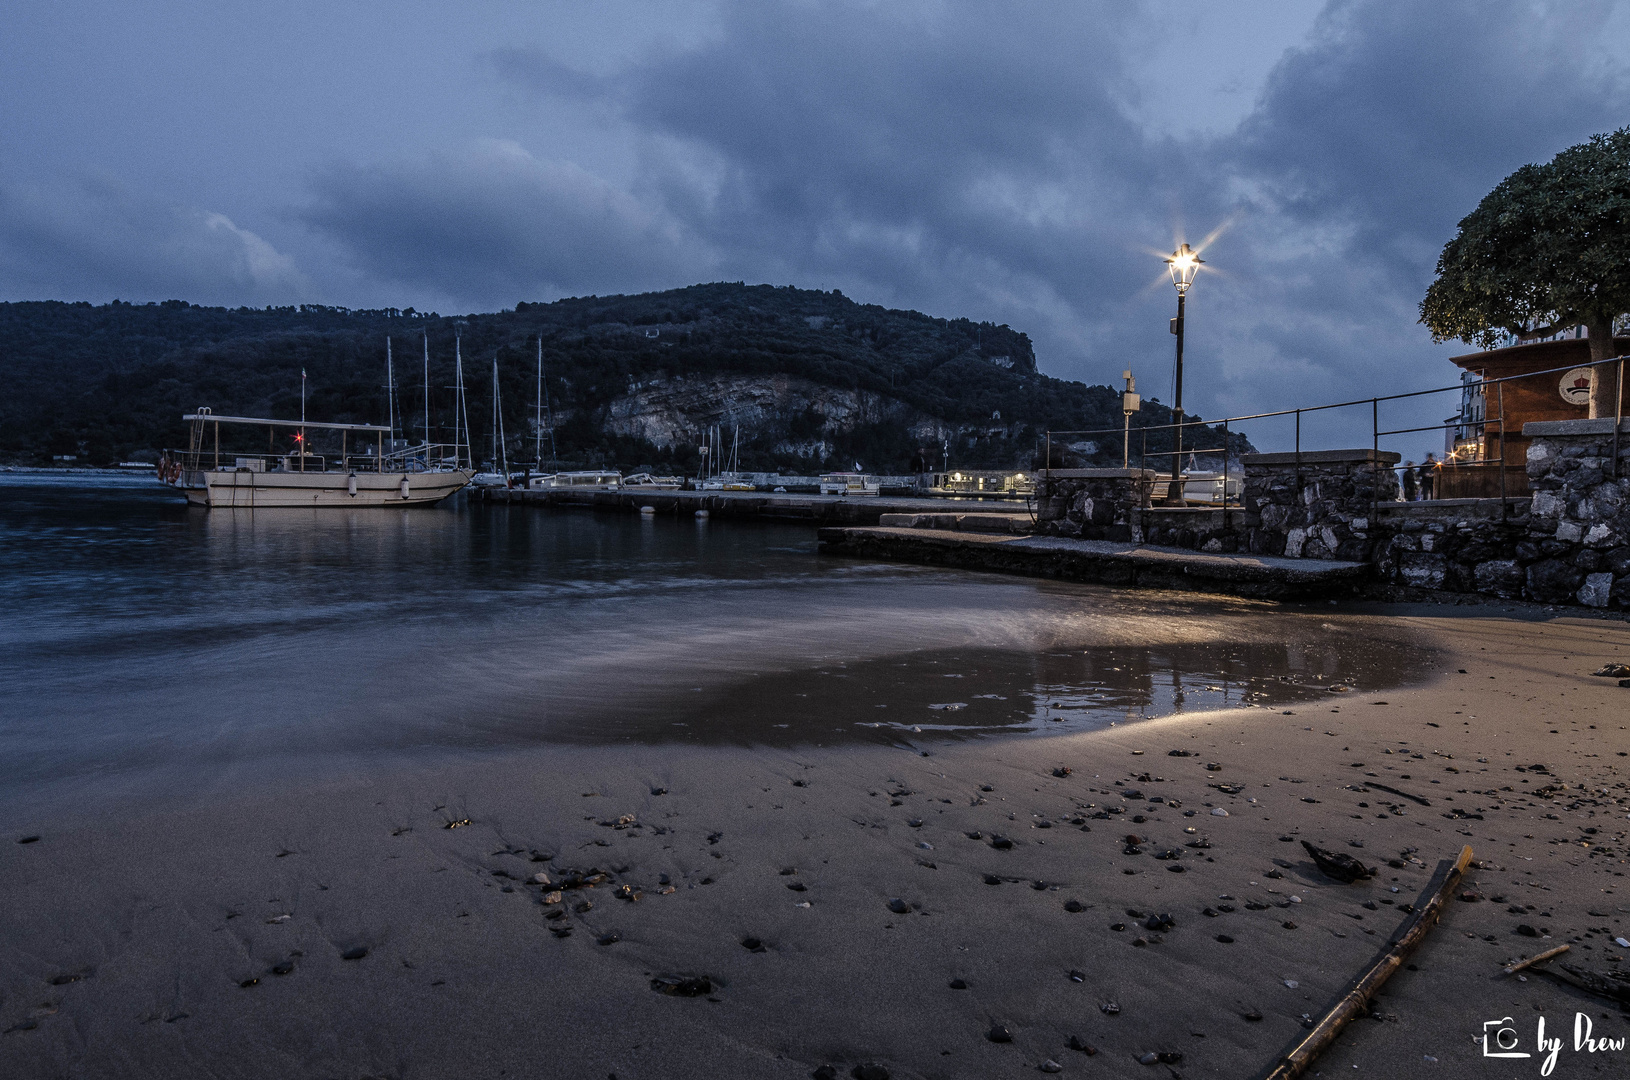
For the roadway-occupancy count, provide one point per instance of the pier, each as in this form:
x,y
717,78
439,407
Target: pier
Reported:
x,y
777,506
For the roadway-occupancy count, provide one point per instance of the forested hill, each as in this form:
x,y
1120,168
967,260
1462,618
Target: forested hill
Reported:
x,y
810,378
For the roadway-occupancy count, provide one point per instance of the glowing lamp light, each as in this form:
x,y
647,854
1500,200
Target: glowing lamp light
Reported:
x,y
1183,263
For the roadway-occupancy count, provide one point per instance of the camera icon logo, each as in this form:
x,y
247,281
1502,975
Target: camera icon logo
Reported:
x,y
1500,1039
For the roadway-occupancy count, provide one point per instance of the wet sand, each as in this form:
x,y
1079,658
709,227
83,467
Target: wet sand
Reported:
x,y
207,934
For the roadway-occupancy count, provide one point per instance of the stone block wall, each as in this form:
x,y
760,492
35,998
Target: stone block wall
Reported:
x,y
1579,522
1093,504
1316,505
1569,544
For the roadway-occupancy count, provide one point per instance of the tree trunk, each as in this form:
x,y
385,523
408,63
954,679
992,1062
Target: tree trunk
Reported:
x,y
1604,384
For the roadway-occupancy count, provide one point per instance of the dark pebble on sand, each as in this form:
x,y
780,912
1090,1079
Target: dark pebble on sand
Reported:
x,y
1110,1008
1078,976
354,954
1179,753
824,1072
992,879
986,787
29,840
1074,906
915,823
1062,771
1527,931
958,984
1225,939
679,986
1253,1016
1001,843
797,886
752,944
1117,926
608,939
899,906
459,824
999,1033
869,1071
64,980
561,931
1080,1045
1176,869
247,983
1288,925
283,967
1138,819
659,791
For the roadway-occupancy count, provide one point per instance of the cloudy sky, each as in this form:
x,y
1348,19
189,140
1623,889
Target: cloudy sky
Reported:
x,y
1024,162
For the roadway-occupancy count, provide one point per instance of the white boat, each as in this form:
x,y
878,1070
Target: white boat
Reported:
x,y
376,476
661,483
582,480
850,483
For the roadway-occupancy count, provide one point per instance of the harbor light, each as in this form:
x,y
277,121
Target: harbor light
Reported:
x,y
1183,263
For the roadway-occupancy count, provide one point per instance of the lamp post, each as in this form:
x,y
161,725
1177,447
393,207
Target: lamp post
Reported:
x,y
1183,263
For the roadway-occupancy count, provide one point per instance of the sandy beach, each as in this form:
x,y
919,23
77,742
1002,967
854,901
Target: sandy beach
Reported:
x,y
896,905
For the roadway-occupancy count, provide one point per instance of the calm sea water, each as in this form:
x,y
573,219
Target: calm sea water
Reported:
x,y
147,644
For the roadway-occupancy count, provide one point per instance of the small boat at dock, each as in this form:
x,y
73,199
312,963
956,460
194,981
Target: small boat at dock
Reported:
x,y
368,474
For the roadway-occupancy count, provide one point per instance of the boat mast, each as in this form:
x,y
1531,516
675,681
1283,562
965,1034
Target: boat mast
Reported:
x,y
502,453
390,387
495,412
427,399
463,413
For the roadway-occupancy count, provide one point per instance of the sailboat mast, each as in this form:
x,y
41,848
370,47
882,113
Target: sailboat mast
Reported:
x,y
495,412
390,387
463,413
537,420
498,412
427,397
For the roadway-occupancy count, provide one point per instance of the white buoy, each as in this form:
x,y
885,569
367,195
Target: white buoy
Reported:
x,y
648,509
701,513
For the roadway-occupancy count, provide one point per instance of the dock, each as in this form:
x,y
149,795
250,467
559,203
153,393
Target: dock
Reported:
x,y
777,506
1104,562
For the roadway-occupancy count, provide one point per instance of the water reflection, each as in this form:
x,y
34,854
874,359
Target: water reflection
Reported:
x,y
146,639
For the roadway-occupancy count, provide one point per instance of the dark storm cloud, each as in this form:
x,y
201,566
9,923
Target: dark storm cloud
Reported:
x,y
497,224
94,239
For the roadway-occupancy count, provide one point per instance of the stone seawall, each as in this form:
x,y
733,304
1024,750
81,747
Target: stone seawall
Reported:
x,y
1568,544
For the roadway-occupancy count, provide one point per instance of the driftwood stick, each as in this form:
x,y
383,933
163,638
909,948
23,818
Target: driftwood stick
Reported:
x,y
1590,982
1355,1002
1395,791
1537,958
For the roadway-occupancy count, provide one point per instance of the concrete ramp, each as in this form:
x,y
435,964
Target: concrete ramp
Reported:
x,y
1104,562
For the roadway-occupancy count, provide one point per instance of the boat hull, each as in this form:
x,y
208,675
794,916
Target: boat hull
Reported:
x,y
243,489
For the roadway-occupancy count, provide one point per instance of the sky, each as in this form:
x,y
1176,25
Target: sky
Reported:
x,y
1025,162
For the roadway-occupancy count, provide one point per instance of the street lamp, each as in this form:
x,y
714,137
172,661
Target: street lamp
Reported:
x,y
1183,263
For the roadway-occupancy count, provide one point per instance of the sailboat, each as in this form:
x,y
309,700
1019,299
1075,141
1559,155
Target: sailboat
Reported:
x,y
366,472
500,451
729,478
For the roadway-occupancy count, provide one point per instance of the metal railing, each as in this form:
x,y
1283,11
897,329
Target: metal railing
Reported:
x,y
1377,433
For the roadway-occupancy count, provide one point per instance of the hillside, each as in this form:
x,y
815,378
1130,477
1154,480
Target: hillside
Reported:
x,y
811,379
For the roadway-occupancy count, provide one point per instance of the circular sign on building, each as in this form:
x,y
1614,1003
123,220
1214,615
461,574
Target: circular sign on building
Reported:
x,y
1575,386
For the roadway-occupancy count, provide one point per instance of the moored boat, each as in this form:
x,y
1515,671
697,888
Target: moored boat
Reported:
x,y
377,476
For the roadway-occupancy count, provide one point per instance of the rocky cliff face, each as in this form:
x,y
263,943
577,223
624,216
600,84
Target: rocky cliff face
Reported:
x,y
792,414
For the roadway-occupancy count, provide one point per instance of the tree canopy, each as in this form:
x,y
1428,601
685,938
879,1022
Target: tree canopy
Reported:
x,y
1546,249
